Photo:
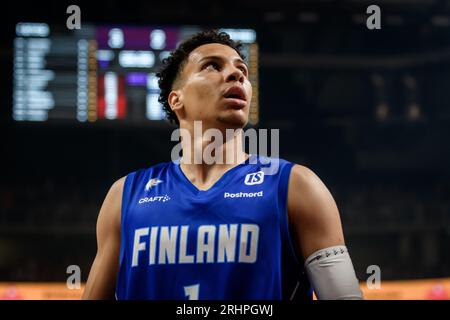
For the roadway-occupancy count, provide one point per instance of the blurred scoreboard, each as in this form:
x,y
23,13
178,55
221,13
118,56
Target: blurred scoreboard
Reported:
x,y
101,73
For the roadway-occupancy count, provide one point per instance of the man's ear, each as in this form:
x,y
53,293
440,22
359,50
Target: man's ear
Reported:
x,y
174,100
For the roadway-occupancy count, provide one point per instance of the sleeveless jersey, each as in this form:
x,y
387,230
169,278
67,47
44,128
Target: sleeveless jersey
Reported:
x,y
230,242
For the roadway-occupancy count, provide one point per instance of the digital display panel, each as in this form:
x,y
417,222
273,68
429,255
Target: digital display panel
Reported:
x,y
101,73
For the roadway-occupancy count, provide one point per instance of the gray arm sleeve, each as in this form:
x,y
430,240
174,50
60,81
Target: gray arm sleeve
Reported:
x,y
332,275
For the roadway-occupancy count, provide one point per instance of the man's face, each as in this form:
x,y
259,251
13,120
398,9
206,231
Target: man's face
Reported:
x,y
214,88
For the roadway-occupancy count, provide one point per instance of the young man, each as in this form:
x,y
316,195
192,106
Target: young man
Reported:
x,y
227,230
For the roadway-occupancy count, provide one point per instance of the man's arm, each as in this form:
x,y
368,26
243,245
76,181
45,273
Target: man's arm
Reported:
x,y
316,228
102,278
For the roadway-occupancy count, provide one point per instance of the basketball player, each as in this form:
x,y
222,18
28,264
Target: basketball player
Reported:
x,y
233,230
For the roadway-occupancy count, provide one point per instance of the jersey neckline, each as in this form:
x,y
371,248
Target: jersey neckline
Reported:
x,y
217,186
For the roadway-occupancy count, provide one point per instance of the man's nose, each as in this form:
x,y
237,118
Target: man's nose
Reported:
x,y
235,74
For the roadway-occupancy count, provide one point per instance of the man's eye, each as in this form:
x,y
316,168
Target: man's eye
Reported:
x,y
244,70
211,65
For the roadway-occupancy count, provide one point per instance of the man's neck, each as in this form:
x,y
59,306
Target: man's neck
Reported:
x,y
205,160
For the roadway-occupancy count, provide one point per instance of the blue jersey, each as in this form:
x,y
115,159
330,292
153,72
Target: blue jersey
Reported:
x,y
230,242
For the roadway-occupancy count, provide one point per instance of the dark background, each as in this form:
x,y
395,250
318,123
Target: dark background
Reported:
x,y
367,110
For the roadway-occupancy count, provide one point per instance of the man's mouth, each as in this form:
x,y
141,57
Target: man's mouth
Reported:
x,y
235,92
235,97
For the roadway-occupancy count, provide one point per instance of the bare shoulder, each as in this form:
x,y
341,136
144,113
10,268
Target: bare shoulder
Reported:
x,y
117,186
303,172
304,183
115,191
112,204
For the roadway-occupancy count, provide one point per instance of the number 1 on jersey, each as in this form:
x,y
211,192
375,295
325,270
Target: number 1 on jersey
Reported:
x,y
192,291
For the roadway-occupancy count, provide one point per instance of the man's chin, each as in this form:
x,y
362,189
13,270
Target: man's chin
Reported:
x,y
233,120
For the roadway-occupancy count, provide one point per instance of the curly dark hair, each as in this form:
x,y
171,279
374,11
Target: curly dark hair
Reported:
x,y
173,65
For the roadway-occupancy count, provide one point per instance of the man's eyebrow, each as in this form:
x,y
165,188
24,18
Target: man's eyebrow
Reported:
x,y
239,60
